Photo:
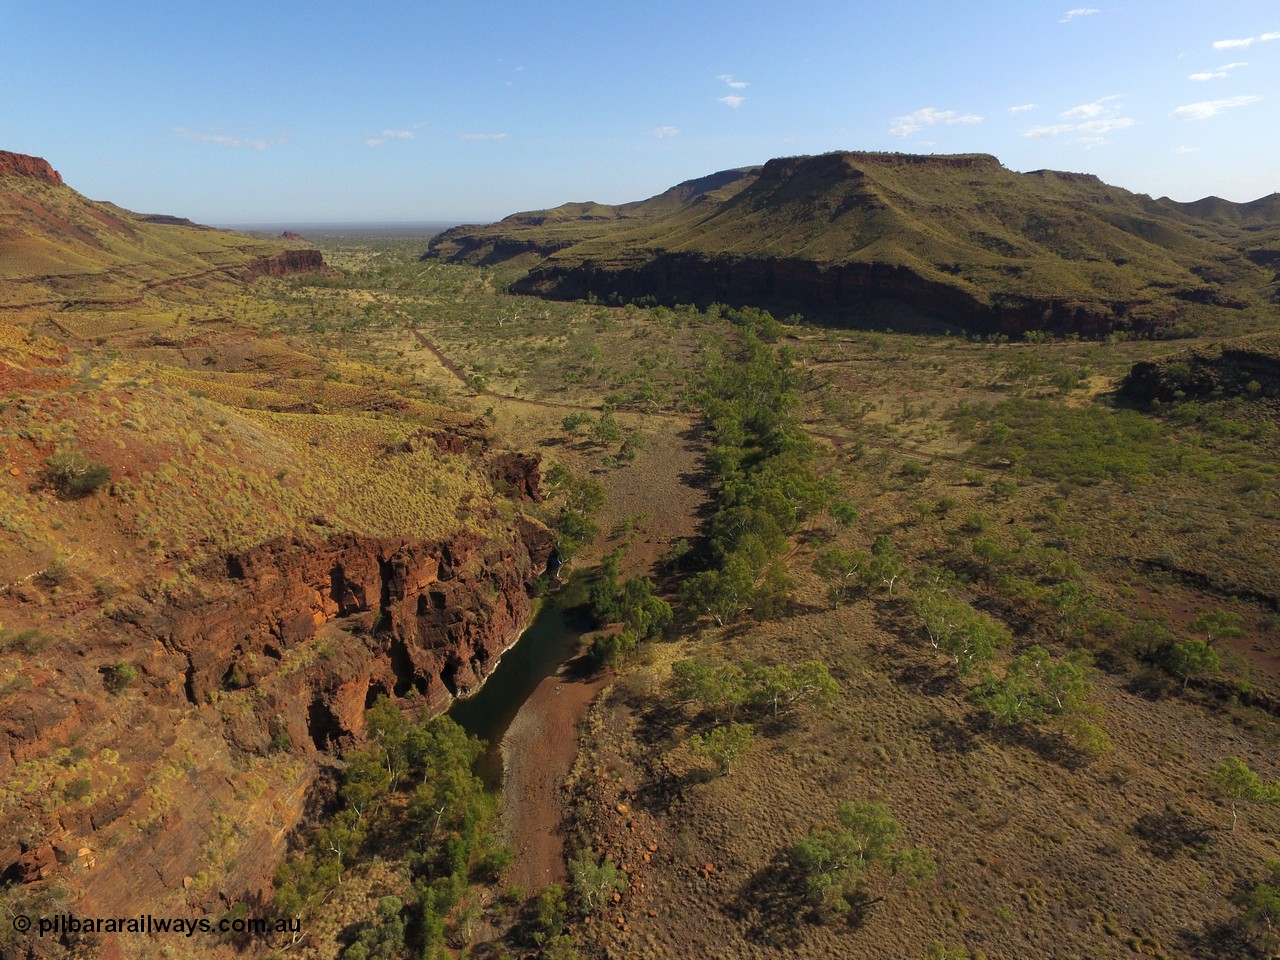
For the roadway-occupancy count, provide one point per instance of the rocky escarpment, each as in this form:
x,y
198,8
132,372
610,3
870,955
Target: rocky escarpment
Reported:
x,y
852,292
1244,367
178,790
882,238
168,220
433,616
21,165
481,249
286,263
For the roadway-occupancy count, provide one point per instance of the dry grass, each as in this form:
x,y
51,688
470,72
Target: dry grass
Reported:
x,y
1041,852
228,419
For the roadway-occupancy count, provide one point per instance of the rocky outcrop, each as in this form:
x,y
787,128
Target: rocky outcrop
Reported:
x,y
286,263
1244,367
839,292
247,688
480,247
433,616
21,165
168,220
521,473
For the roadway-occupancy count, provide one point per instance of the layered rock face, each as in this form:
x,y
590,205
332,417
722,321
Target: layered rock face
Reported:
x,y
21,165
432,616
852,290
248,686
286,263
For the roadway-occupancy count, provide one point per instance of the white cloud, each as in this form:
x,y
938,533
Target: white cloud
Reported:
x,y
1092,129
1244,41
1023,107
1078,12
732,83
1085,110
376,142
928,117
1209,108
1099,117
732,100
482,136
224,140
1107,125
1217,74
1184,150
663,133
1050,130
398,134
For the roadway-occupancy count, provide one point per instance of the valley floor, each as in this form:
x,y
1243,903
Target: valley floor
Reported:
x,y
1003,484
1042,850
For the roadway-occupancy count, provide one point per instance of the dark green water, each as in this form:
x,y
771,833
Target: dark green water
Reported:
x,y
549,641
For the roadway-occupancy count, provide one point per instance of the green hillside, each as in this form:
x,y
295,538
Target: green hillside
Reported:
x,y
959,240
57,245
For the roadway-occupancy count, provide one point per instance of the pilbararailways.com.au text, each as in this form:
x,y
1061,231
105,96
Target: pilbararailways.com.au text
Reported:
x,y
148,925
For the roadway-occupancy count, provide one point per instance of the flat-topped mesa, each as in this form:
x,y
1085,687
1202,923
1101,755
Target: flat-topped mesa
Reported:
x,y
873,238
955,161
1068,176
845,163
21,165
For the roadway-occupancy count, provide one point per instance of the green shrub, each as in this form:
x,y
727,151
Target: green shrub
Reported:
x,y
548,915
30,641
74,475
723,745
494,863
120,676
1037,688
840,864
595,883
1261,904
1191,658
382,936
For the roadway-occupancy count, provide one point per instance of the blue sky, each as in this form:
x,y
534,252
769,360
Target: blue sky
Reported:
x,y
233,112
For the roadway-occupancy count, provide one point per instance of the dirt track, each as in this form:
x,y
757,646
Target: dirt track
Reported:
x,y
538,752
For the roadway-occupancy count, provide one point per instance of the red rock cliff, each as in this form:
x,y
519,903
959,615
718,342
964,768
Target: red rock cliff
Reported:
x,y
286,263
21,165
196,774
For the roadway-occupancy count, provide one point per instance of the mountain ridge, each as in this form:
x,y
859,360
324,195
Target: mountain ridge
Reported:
x,y
851,236
58,245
